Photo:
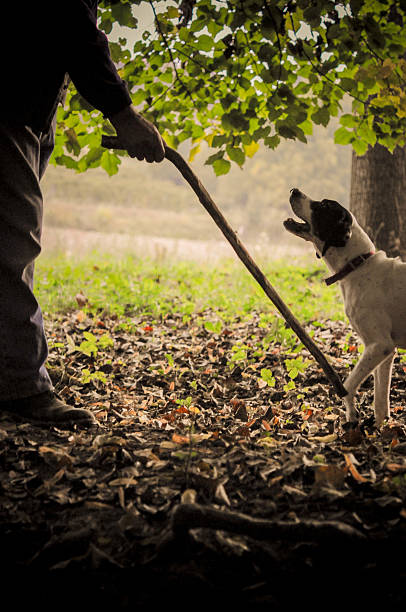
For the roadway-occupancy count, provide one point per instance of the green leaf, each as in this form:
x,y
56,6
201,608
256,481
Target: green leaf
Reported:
x,y
212,158
110,162
221,166
348,120
105,341
268,377
235,120
321,116
170,359
366,133
285,130
251,149
205,42
343,137
348,84
139,96
123,14
238,61
360,147
172,12
167,77
214,327
236,155
267,26
272,141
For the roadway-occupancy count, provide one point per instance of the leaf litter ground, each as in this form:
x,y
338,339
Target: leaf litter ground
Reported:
x,y
220,472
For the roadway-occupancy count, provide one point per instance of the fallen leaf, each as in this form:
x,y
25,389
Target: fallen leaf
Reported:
x,y
81,299
167,445
266,425
353,436
330,474
268,441
353,470
326,439
393,430
80,316
193,438
221,495
189,496
123,482
395,467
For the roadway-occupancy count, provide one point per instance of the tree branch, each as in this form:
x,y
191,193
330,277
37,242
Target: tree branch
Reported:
x,y
169,50
191,516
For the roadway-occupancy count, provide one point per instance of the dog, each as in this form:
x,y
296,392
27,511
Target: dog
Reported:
x,y
373,287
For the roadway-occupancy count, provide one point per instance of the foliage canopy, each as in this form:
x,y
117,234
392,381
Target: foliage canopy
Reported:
x,y
238,73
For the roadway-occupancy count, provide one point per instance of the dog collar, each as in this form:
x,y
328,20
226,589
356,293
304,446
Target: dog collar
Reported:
x,y
349,267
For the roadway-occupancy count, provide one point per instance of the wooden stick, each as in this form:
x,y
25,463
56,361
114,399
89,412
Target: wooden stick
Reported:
x,y
112,142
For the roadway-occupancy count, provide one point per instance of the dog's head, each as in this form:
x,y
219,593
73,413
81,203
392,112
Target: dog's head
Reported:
x,y
325,223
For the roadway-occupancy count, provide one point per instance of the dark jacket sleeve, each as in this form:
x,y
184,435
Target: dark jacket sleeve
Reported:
x,y
88,59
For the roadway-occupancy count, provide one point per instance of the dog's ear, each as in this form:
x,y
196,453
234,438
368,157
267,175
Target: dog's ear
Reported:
x,y
333,225
342,230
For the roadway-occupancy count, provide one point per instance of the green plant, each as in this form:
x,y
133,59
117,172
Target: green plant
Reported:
x,y
267,376
130,286
88,376
213,326
92,344
296,365
239,353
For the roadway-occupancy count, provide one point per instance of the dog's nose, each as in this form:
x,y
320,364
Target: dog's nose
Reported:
x,y
295,191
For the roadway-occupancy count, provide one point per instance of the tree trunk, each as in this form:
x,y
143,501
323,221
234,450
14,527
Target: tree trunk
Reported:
x,y
378,197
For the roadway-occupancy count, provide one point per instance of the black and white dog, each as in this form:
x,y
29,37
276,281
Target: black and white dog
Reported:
x,y
373,287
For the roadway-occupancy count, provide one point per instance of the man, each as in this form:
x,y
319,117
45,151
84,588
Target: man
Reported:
x,y
58,39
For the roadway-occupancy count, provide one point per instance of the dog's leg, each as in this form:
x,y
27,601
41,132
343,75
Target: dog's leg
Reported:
x,y
373,355
382,379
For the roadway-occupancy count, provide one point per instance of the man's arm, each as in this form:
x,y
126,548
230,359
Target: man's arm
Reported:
x,y
96,78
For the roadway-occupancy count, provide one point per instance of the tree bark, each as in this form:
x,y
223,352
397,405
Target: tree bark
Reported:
x,y
378,197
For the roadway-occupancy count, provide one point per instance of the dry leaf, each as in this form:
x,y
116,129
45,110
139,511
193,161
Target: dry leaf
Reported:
x,y
395,467
330,474
81,299
326,439
189,496
123,482
268,441
349,460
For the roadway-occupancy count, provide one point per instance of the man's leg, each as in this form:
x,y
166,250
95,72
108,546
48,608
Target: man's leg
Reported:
x,y
23,348
25,386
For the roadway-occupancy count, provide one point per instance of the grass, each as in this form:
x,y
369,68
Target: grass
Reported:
x,y
131,286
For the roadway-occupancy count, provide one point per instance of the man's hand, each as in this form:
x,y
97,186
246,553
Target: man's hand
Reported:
x,y
138,136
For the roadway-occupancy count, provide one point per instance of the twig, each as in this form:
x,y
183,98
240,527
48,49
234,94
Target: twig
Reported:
x,y
169,50
321,73
278,40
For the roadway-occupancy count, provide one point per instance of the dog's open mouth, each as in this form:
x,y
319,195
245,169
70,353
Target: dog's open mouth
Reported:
x,y
296,227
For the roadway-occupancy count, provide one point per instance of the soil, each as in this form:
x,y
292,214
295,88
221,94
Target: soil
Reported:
x,y
205,482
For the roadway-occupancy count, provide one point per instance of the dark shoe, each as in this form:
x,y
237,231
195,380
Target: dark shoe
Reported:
x,y
47,409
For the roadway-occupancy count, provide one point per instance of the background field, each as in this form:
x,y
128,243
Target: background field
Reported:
x,y
149,209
